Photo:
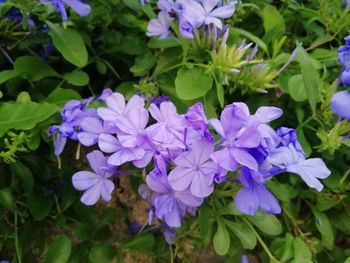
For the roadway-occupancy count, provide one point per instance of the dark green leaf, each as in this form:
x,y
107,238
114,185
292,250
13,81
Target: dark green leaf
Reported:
x,y
39,205
24,174
102,254
33,68
140,242
69,43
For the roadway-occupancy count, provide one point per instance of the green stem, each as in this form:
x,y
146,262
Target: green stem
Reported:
x,y
18,252
262,243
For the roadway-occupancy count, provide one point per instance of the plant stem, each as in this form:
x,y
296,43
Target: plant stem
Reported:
x,y
18,252
262,243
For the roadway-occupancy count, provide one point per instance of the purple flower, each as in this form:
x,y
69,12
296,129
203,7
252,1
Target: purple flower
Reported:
x,y
132,127
196,118
78,6
254,194
116,106
170,205
73,113
168,132
288,136
194,169
96,184
289,159
91,128
244,259
206,12
120,154
159,99
158,26
237,135
340,104
105,94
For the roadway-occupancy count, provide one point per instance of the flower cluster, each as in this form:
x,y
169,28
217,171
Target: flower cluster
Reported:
x,y
183,160
190,15
341,100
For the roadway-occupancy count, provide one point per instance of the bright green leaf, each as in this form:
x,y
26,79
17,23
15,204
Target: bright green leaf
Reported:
x,y
325,228
24,116
60,96
77,78
302,252
243,232
296,88
6,75
310,76
192,83
59,250
269,224
6,200
221,239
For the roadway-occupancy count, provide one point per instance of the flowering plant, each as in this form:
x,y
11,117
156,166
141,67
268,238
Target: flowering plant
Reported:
x,y
174,130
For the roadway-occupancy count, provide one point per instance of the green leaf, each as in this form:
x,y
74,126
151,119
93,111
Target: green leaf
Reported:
x,y
283,247
284,192
243,232
24,116
102,254
39,205
133,4
155,42
296,88
143,64
324,227
167,60
252,37
33,68
6,200
273,23
302,252
192,83
59,250
77,78
310,76
24,174
6,75
140,242
108,216
221,239
347,260
69,43
220,93
269,224
60,96
23,97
